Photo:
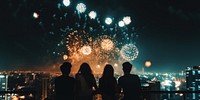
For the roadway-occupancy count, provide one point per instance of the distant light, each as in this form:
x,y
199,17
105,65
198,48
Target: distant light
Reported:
x,y
81,7
35,15
177,83
22,97
147,63
65,57
127,20
108,20
121,24
92,15
66,2
98,66
2,76
115,65
167,83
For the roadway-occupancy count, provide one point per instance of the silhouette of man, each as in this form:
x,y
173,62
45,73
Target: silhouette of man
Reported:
x,y
129,83
64,84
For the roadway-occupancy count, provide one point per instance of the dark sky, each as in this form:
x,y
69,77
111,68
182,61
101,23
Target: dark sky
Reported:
x,y
169,31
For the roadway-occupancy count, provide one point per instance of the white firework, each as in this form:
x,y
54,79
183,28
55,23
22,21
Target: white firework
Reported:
x,y
107,44
108,20
127,20
81,7
86,50
129,52
66,2
92,15
121,24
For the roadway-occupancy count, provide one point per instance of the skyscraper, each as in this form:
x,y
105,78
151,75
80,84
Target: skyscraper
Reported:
x,y
3,85
193,82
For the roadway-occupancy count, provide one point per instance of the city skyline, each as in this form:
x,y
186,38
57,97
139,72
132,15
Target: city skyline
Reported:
x,y
168,33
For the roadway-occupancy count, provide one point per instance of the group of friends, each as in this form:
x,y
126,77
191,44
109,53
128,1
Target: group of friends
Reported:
x,y
83,86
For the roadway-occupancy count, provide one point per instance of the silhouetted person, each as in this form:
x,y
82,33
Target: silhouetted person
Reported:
x,y
108,84
86,82
129,83
65,85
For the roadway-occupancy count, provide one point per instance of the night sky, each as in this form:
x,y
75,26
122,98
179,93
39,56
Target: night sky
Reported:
x,y
169,32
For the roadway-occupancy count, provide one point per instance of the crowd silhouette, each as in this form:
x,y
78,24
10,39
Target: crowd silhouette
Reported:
x,y
83,86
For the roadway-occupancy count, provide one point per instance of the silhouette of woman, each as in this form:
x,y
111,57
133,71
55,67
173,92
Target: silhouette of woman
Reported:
x,y
108,84
86,82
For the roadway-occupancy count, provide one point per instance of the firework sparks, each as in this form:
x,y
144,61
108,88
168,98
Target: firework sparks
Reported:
x,y
86,50
107,44
83,37
129,52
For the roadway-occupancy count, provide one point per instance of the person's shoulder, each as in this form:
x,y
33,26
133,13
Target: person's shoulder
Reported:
x,y
58,77
121,77
134,75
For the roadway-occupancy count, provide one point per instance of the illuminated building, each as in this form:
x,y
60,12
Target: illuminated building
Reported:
x,y
45,83
193,82
3,85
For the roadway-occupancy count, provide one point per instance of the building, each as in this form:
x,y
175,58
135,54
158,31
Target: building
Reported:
x,y
3,85
193,82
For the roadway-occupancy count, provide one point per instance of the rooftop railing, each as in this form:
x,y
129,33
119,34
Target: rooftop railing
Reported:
x,y
146,95
183,94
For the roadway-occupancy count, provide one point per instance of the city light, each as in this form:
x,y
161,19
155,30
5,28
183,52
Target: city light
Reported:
x,y
108,21
92,15
2,76
66,2
167,83
81,7
177,83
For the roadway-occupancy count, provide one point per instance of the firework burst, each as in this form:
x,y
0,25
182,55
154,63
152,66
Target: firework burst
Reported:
x,y
83,37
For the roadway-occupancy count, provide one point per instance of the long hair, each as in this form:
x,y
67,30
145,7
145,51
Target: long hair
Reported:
x,y
108,71
86,71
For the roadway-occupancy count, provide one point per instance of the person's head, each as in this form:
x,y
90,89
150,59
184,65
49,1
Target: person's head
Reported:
x,y
65,68
127,67
108,71
85,69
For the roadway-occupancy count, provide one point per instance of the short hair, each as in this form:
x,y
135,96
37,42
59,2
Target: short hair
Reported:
x,y
65,68
127,66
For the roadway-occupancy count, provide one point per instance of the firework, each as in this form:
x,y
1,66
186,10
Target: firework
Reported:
x,y
82,37
66,2
86,50
129,52
127,20
81,7
92,14
107,44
